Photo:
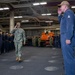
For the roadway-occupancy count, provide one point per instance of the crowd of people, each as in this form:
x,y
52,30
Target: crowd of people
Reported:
x,y
67,31
6,42
37,42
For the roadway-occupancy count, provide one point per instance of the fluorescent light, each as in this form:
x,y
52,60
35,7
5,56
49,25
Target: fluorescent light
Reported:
x,y
1,8
25,21
73,7
46,14
18,17
6,8
40,3
43,3
49,14
15,17
49,21
35,4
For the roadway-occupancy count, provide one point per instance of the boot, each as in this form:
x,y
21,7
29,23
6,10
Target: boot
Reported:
x,y
17,58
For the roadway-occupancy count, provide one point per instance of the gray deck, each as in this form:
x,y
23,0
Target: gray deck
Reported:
x,y
36,61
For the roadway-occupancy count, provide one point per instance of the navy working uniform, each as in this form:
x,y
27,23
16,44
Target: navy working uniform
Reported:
x,y
67,30
1,43
7,43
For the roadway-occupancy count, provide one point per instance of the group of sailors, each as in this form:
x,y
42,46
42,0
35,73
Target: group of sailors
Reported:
x,y
37,42
6,42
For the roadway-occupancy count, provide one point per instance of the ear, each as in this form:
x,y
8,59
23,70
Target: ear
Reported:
x,y
65,6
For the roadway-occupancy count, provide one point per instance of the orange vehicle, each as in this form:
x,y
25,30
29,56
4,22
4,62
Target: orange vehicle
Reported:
x,y
45,37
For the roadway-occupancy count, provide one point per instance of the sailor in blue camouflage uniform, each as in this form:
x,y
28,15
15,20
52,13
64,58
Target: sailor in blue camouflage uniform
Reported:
x,y
19,38
67,30
1,51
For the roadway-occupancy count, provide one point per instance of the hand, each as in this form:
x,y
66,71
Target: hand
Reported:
x,y
68,42
59,11
15,27
24,43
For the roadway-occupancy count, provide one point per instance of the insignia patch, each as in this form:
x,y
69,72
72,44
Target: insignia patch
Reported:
x,y
68,16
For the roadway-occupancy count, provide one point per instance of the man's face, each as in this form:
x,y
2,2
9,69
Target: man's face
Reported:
x,y
63,8
0,32
18,25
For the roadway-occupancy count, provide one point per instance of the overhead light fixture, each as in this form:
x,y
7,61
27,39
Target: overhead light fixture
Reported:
x,y
46,14
25,21
43,14
48,21
43,3
40,3
6,8
1,8
35,4
18,17
73,7
49,14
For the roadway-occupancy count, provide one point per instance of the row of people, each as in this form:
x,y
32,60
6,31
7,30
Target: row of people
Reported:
x,y
52,42
6,42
